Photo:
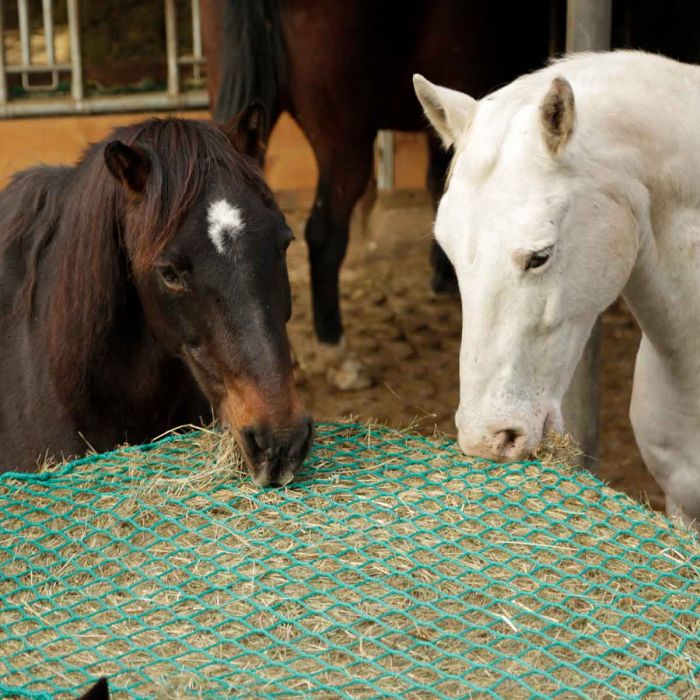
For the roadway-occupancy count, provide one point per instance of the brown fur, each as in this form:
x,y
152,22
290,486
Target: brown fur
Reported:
x,y
346,72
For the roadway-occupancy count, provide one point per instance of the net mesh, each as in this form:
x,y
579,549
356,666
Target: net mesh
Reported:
x,y
393,566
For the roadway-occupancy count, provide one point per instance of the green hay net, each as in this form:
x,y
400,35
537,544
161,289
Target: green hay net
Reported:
x,y
393,567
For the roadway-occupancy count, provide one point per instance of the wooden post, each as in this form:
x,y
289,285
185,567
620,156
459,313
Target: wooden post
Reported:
x,y
588,25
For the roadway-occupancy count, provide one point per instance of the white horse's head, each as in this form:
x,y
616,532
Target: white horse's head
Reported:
x,y
542,242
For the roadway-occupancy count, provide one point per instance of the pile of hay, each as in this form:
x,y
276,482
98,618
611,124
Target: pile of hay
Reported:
x,y
392,567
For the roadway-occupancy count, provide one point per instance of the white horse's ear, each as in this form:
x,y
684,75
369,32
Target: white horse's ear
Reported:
x,y
449,111
557,115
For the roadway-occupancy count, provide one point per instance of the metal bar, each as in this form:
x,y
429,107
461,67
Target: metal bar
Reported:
x,y
385,170
38,68
76,58
588,25
190,60
581,405
196,41
3,75
24,36
60,106
171,48
47,11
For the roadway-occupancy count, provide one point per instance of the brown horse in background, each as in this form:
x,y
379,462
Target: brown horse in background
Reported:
x,y
343,71
142,287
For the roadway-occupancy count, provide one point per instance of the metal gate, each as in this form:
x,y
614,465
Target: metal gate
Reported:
x,y
54,103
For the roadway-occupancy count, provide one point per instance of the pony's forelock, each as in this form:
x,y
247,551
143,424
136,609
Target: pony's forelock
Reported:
x,y
186,157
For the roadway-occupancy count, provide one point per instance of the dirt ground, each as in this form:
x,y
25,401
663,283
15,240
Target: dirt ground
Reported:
x,y
410,339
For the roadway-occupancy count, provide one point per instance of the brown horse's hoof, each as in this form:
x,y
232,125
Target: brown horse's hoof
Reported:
x,y
342,368
350,375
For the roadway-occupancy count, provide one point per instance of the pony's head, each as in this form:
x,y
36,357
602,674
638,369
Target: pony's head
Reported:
x,y
542,242
206,245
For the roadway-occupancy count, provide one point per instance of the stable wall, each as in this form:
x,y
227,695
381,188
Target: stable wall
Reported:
x,y
290,162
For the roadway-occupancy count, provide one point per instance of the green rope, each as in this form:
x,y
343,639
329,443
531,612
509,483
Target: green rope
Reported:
x,y
393,566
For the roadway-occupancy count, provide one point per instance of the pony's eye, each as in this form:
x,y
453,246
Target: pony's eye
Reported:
x,y
538,258
171,277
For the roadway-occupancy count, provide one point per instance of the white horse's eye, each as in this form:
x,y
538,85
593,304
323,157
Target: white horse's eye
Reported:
x,y
538,258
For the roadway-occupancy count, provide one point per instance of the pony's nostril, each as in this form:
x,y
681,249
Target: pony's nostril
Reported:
x,y
260,441
302,443
255,441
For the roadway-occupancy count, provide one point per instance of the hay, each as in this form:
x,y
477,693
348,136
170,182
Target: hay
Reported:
x,y
392,567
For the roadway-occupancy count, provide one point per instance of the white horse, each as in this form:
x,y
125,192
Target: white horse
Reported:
x,y
569,187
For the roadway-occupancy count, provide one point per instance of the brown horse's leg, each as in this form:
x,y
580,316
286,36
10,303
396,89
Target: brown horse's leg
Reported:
x,y
212,12
444,278
342,180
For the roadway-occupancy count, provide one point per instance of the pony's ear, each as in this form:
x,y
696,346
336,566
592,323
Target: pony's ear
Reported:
x,y
449,111
247,130
129,165
557,115
99,691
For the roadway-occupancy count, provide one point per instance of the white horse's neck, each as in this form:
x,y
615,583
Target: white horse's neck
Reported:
x,y
640,127
649,139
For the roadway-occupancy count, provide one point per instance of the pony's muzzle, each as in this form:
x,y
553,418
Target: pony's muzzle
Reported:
x,y
274,454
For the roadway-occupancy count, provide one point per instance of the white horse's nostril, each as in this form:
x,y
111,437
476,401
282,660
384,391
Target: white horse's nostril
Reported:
x,y
509,443
507,437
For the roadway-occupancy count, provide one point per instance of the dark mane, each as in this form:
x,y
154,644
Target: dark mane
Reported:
x,y
81,237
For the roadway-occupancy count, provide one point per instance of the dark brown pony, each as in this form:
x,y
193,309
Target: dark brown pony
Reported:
x,y
343,70
142,287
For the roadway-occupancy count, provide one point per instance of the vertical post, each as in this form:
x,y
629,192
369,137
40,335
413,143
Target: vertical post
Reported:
x,y
76,58
385,145
24,38
47,11
3,75
171,48
196,41
588,26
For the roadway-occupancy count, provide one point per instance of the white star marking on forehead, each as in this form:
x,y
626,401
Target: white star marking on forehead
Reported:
x,y
225,222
